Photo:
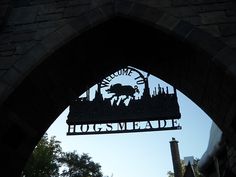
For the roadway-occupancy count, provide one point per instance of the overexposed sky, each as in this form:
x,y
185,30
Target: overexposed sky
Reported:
x,y
144,154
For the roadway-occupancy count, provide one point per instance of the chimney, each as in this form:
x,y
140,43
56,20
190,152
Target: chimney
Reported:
x,y
176,158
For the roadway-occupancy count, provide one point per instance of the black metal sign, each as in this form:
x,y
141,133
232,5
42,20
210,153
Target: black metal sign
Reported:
x,y
122,104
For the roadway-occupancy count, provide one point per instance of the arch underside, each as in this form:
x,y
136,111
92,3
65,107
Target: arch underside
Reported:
x,y
92,53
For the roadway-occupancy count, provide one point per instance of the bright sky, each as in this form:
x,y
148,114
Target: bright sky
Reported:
x,y
140,154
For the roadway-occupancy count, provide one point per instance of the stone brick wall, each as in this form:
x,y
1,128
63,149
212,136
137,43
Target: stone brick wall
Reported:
x,y
31,20
4,11
217,17
231,154
27,22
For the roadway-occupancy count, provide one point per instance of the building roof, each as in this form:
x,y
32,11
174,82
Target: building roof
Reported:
x,y
189,171
214,145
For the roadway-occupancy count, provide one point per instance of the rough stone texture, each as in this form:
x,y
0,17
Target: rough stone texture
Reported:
x,y
231,154
5,6
33,30
22,30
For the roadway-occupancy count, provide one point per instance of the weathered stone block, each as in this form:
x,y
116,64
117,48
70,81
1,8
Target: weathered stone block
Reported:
x,y
3,2
74,11
36,2
205,41
57,7
152,15
212,7
5,89
32,58
3,10
123,7
212,29
7,61
24,47
195,20
18,37
7,53
21,3
183,29
213,17
179,2
23,15
227,29
49,17
230,12
182,11
230,40
168,22
31,27
7,47
12,77
108,10
51,24
80,23
5,38
206,1
159,3
232,69
79,2
40,34
95,16
225,57
58,38
139,10
2,71
97,3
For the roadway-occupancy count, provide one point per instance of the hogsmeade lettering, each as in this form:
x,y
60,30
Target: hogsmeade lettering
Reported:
x,y
125,72
125,126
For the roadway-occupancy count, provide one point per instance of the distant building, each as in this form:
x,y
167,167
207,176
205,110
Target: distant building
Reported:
x,y
219,159
189,172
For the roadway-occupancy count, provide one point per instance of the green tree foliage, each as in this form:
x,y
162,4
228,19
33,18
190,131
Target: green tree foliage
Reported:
x,y
170,174
44,159
196,168
48,159
79,166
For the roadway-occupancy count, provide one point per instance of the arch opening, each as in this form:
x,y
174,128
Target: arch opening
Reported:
x,y
96,53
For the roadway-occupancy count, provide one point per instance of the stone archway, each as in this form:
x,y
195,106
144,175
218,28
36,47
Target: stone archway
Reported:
x,y
46,76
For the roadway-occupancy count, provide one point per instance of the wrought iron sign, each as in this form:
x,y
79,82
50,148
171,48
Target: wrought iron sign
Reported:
x,y
122,104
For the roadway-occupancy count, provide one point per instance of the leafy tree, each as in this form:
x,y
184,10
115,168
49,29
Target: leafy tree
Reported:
x,y
170,174
196,168
44,159
48,159
79,166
